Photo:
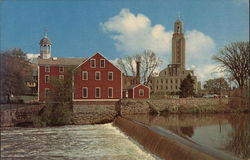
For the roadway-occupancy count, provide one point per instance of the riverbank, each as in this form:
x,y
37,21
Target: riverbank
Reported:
x,y
182,105
104,113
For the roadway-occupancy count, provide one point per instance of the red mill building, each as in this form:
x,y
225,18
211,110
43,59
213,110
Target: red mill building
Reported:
x,y
95,79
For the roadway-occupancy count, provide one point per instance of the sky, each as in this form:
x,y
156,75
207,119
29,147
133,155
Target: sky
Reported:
x,y
116,28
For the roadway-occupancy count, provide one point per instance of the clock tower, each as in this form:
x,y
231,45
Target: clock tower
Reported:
x,y
178,45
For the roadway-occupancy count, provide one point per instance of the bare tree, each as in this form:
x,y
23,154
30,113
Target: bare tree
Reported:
x,y
149,63
233,59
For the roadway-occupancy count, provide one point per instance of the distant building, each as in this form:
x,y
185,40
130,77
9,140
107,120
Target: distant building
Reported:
x,y
169,79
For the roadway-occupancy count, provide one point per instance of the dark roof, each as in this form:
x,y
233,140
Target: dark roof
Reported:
x,y
60,61
45,41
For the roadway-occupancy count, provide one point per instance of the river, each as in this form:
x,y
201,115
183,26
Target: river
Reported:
x,y
88,142
225,132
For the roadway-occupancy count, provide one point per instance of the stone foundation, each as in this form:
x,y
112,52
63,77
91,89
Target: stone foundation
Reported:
x,y
93,114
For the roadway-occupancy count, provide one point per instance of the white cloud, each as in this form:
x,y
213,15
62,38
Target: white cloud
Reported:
x,y
207,71
134,33
32,57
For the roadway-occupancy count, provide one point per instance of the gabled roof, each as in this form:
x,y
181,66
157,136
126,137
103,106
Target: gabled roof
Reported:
x,y
61,61
137,85
93,56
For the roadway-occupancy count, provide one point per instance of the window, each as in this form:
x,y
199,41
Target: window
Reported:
x,y
166,87
176,87
46,92
166,81
84,92
161,87
92,63
110,92
161,80
97,75
46,78
141,92
97,92
61,69
102,63
110,76
171,80
61,77
176,81
84,75
47,69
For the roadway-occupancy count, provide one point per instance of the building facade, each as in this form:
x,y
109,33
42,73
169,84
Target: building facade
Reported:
x,y
169,79
97,79
51,67
94,79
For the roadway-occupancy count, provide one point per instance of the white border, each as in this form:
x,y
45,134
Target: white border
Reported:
x,y
112,92
100,94
99,75
45,69
102,59
87,92
87,75
94,63
112,75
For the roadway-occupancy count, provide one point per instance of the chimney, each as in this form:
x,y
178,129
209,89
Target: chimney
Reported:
x,y
138,67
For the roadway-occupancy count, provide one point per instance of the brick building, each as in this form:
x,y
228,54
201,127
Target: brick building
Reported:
x,y
95,79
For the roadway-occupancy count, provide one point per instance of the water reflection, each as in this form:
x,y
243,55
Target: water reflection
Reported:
x,y
227,132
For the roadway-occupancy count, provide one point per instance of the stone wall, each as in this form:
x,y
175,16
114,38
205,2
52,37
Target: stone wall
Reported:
x,y
93,114
182,105
13,117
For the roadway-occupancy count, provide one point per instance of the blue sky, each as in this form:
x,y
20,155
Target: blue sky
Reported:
x,y
78,28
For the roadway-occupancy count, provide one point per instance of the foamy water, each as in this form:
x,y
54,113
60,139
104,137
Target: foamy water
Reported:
x,y
70,142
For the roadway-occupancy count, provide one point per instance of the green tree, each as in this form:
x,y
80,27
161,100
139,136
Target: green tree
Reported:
x,y
149,63
58,106
216,85
187,87
234,60
14,66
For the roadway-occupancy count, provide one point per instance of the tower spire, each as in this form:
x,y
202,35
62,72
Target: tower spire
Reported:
x,y
45,32
179,15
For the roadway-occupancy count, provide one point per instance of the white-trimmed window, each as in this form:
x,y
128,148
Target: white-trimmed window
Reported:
x,y
110,76
61,69
46,78
84,92
110,92
47,69
61,77
46,92
141,92
97,92
97,75
84,75
92,63
102,63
